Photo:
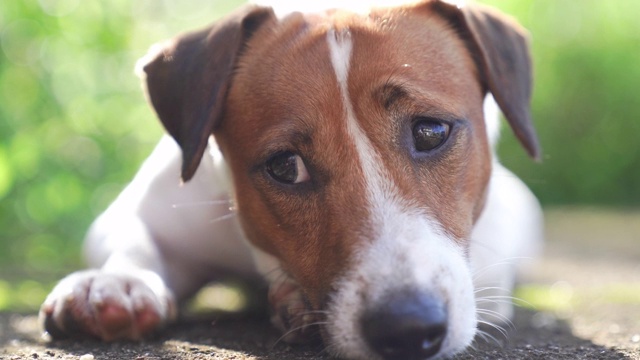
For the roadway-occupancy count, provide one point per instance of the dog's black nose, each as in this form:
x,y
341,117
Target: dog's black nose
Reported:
x,y
407,327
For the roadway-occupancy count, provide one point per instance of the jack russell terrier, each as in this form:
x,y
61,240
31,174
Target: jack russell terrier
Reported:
x,y
347,157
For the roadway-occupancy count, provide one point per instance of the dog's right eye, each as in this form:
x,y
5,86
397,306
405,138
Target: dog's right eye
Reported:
x,y
287,167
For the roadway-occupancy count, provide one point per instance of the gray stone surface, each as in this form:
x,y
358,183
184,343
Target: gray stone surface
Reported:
x,y
587,289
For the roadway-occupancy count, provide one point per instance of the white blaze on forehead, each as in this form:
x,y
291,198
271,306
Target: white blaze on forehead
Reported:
x,y
341,46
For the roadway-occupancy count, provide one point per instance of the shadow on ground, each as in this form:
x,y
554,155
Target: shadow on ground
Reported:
x,y
535,335
588,283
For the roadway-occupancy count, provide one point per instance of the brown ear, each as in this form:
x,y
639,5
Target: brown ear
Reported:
x,y
187,79
501,49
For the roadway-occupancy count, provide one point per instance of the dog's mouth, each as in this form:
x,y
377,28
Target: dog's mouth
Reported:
x,y
403,325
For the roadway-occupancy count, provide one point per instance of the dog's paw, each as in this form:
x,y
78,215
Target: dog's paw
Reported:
x,y
291,314
107,306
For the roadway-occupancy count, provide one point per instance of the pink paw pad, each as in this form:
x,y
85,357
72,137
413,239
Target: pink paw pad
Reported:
x,y
104,306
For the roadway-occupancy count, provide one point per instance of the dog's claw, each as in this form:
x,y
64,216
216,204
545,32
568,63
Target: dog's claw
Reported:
x,y
106,306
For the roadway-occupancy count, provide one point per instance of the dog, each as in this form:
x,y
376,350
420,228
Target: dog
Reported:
x,y
347,158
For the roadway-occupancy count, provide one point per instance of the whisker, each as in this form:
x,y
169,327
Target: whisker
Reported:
x,y
500,329
509,297
222,218
493,313
310,312
486,288
201,203
484,335
503,262
296,329
497,315
506,299
489,246
493,301
485,246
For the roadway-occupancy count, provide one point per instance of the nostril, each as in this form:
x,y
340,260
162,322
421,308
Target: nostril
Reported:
x,y
406,327
432,338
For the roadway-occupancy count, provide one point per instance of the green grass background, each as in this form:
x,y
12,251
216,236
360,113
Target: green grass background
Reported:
x,y
74,124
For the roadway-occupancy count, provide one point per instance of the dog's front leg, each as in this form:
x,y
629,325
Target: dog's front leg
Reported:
x,y
155,243
125,298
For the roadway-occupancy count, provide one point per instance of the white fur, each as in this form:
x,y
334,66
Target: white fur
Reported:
x,y
340,47
492,121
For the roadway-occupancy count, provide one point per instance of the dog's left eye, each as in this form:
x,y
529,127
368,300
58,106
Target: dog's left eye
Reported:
x,y
428,134
287,167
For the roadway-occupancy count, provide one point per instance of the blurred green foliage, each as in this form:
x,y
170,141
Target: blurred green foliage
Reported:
x,y
586,104
74,124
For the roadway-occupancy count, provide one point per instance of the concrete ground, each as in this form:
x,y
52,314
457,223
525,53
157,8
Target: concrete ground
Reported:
x,y
583,302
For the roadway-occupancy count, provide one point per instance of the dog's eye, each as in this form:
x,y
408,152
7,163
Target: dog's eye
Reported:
x,y
429,134
287,167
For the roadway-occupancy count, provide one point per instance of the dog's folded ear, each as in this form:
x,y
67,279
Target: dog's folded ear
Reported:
x,y
187,79
501,49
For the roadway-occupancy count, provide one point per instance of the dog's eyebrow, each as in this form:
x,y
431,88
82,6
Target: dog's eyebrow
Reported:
x,y
285,137
394,96
388,94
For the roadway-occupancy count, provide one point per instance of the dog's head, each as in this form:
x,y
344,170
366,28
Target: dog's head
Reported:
x,y
359,154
